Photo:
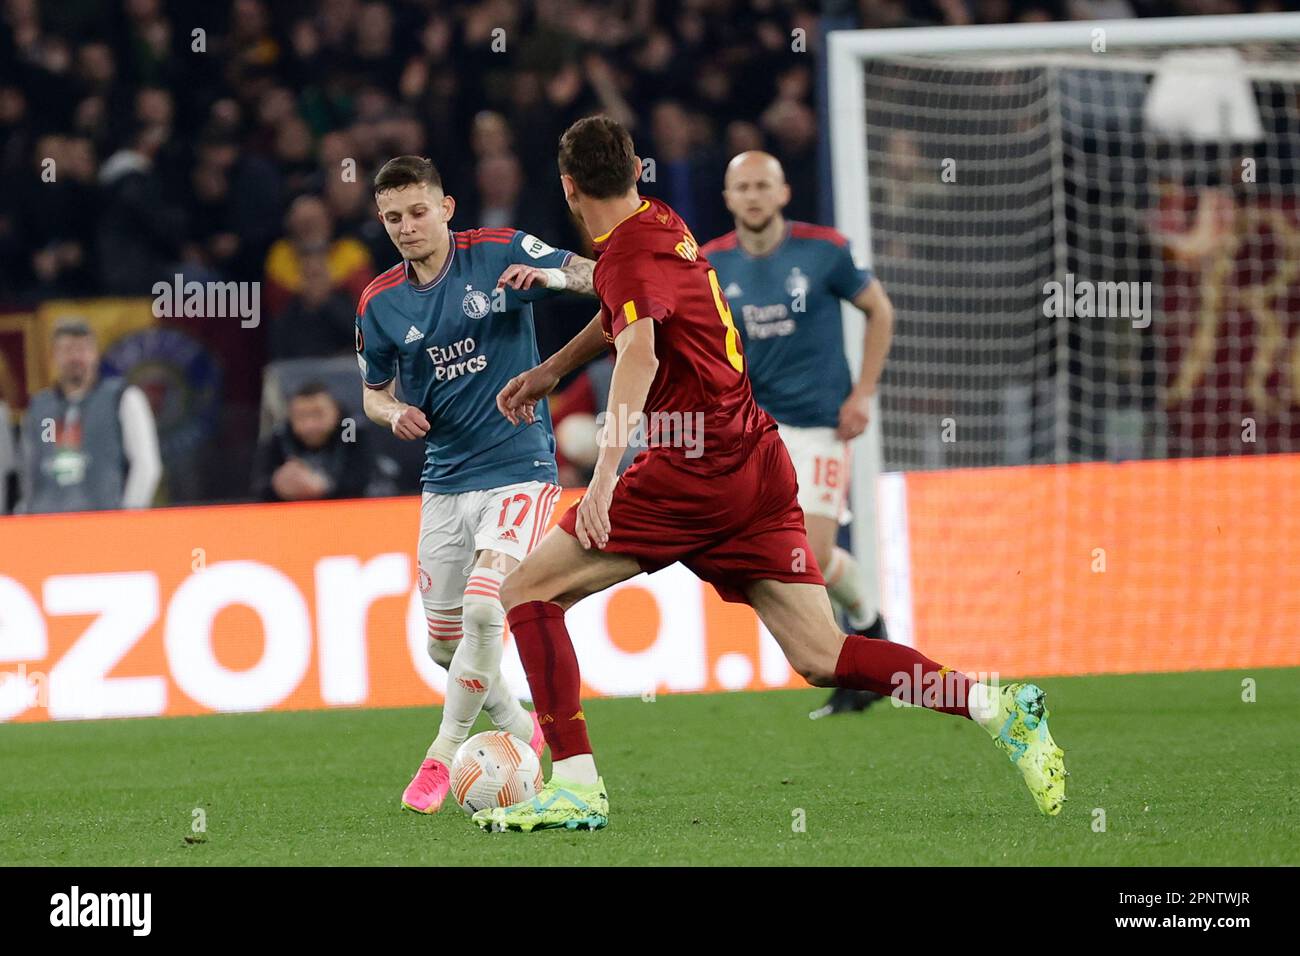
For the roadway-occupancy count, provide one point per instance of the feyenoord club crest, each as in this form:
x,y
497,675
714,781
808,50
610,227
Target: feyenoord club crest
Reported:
x,y
425,581
476,304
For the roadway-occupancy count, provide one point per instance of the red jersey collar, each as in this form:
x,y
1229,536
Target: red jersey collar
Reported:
x,y
604,237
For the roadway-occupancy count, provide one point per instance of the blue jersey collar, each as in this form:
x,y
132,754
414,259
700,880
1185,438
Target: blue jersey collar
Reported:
x,y
785,235
442,274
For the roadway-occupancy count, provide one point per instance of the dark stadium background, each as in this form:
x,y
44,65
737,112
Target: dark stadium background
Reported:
x,y
191,152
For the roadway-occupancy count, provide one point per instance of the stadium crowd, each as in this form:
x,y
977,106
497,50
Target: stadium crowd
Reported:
x,y
236,140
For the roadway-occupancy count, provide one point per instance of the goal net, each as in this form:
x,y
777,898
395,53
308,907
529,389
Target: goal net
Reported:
x,y
1091,235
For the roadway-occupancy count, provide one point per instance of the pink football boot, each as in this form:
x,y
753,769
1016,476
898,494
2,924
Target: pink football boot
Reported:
x,y
427,790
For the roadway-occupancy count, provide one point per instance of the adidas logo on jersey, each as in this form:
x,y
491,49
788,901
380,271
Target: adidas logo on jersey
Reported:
x,y
509,535
414,335
732,290
471,684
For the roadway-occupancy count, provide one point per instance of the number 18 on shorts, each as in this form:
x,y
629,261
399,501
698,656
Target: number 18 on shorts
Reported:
x,y
821,462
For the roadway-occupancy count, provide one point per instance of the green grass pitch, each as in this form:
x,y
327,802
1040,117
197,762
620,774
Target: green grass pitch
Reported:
x,y
1184,770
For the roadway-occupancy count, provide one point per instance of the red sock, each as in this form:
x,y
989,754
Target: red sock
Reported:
x,y
896,670
552,669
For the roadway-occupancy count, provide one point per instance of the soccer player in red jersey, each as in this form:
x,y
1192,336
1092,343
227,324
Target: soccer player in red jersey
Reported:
x,y
715,490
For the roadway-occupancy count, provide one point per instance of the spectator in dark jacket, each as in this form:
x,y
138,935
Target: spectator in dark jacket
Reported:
x,y
319,320
140,234
56,228
686,170
315,454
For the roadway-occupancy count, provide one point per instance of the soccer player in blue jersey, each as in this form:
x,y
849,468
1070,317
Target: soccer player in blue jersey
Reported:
x,y
784,281
453,319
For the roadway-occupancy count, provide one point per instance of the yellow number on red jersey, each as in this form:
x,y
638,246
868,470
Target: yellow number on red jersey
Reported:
x,y
733,337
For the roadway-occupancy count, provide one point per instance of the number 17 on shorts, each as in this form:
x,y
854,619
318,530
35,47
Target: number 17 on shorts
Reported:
x,y
514,518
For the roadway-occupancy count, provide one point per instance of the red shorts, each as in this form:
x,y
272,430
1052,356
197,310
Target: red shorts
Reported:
x,y
730,529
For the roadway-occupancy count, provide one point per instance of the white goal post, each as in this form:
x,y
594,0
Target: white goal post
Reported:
x,y
1132,47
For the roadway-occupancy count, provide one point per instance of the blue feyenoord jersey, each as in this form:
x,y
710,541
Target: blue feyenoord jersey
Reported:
x,y
787,307
456,342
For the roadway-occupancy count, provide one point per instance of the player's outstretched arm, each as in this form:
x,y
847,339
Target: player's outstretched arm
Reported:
x,y
855,411
634,372
383,408
518,400
579,350
573,276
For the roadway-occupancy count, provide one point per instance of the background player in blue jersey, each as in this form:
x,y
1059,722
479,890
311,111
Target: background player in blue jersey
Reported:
x,y
453,321
784,281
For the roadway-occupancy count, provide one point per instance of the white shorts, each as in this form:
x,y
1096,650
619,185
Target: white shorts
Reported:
x,y
821,463
454,528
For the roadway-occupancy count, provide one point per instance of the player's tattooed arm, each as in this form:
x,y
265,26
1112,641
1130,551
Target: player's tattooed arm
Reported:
x,y
383,408
518,400
574,276
578,272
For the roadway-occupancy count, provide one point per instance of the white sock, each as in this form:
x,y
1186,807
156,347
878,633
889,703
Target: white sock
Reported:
x,y
486,617
501,705
580,768
444,640
844,585
982,702
506,712
476,665
444,635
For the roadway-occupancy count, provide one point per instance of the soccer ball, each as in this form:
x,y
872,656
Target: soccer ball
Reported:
x,y
578,439
494,769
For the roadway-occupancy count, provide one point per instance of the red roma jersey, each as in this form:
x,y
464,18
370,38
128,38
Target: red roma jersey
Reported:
x,y
700,408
